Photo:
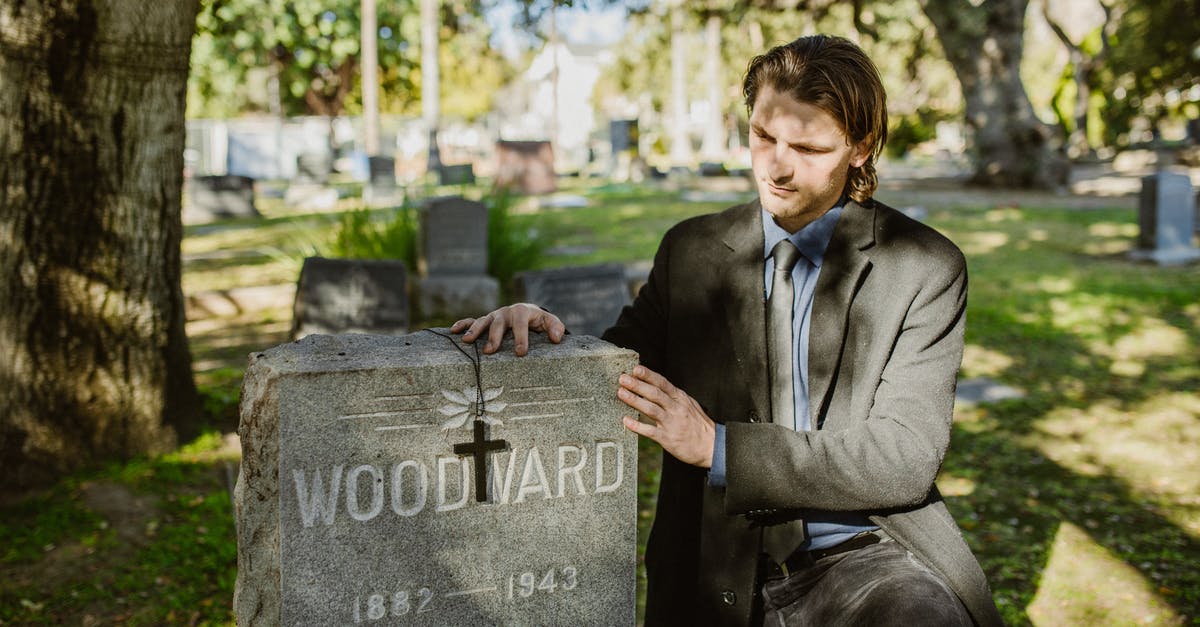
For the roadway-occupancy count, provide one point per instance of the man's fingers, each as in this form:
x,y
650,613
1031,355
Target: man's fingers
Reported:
x,y
549,324
654,379
647,407
646,389
458,327
495,334
641,428
520,329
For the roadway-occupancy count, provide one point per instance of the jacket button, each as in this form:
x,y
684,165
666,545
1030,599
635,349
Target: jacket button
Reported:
x,y
729,597
753,416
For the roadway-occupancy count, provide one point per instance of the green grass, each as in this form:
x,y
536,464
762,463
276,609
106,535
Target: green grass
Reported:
x,y
1079,499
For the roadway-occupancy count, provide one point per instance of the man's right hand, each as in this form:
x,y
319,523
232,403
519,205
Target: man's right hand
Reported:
x,y
520,317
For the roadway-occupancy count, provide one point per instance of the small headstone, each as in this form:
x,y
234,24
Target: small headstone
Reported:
x,y
457,174
623,135
712,168
351,296
1166,219
385,480
382,172
313,167
526,166
447,297
587,299
217,197
453,236
453,260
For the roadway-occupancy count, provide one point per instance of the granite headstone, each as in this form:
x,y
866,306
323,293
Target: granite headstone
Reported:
x,y
387,480
351,296
1166,219
526,166
217,197
587,299
453,260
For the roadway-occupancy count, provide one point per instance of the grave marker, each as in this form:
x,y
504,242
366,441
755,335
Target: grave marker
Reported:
x,y
587,299
1166,219
453,260
217,197
351,296
527,166
360,500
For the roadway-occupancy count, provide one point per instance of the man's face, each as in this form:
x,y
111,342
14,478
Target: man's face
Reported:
x,y
800,157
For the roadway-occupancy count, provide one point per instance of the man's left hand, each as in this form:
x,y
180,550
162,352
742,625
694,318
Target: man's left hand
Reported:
x,y
677,422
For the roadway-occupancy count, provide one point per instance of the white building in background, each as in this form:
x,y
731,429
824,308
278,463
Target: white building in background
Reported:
x,y
528,110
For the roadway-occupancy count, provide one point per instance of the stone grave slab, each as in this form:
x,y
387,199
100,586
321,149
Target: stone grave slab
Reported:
x,y
382,172
456,174
217,197
386,480
351,296
587,299
526,166
453,236
313,167
1166,219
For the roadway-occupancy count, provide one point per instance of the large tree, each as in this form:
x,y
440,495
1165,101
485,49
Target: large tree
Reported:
x,y
984,42
95,361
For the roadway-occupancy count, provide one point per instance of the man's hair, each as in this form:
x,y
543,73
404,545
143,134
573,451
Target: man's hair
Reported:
x,y
836,76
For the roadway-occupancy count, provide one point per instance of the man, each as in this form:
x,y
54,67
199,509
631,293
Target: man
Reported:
x,y
798,363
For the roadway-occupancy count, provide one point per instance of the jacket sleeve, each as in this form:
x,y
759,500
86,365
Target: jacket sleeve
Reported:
x,y
904,357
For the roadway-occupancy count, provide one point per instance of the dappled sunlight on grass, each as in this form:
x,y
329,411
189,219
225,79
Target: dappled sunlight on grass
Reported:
x,y
1106,440
980,361
1085,584
1154,446
982,242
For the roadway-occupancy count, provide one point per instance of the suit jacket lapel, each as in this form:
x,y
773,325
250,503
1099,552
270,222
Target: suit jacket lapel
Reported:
x,y
745,310
842,271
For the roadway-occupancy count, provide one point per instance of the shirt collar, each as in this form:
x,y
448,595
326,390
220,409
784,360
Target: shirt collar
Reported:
x,y
812,240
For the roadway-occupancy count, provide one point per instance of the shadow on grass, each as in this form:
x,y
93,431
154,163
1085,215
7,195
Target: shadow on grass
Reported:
x,y
1065,324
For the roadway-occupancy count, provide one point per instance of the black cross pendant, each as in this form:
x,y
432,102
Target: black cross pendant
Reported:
x,y
479,449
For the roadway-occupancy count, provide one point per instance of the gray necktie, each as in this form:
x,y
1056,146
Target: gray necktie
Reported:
x,y
779,334
782,538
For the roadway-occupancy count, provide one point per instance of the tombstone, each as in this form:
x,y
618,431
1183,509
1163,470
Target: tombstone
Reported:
x,y
457,174
350,296
526,166
1166,220
313,167
376,487
382,173
623,135
712,168
587,299
452,260
216,197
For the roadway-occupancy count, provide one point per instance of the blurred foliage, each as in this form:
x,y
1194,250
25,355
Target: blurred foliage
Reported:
x,y
360,235
1154,68
909,130
313,48
513,246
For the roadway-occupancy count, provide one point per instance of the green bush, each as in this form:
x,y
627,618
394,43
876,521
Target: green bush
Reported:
x,y
514,245
910,130
361,236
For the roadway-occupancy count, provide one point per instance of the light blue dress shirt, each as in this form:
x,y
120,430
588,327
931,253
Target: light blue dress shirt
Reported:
x,y
824,529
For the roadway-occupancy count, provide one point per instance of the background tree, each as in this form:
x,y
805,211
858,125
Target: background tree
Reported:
x,y
984,42
96,363
1087,55
1154,68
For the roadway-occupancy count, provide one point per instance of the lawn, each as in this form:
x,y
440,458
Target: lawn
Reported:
x,y
1080,498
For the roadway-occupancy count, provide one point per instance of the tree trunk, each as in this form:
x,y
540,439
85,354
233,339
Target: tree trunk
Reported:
x,y
95,359
984,43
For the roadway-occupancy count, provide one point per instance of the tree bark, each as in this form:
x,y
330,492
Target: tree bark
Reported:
x,y
984,43
95,359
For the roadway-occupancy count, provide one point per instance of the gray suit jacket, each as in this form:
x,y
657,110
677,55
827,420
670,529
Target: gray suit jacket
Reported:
x,y
886,343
